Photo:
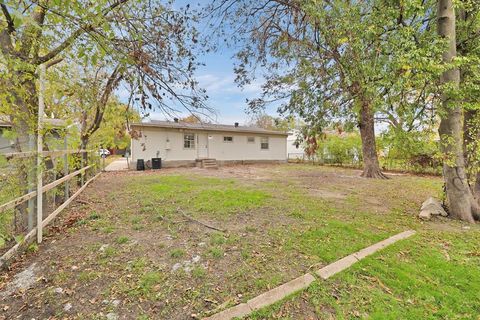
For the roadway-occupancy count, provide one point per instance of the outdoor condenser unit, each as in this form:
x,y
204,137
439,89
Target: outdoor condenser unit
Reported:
x,y
140,164
156,163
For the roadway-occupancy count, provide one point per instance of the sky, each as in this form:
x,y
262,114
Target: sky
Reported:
x,y
225,97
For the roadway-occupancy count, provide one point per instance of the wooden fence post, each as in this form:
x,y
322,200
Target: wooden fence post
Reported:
x,y
65,165
41,110
82,164
31,185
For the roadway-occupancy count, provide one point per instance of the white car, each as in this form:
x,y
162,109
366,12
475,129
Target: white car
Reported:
x,y
103,153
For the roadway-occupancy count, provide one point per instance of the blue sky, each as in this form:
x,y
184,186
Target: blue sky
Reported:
x,y
229,100
217,77
225,97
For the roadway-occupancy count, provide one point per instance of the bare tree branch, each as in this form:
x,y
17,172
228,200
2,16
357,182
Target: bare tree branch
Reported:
x,y
10,23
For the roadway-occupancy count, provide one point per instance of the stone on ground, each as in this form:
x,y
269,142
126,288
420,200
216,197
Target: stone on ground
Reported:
x,y
22,281
432,207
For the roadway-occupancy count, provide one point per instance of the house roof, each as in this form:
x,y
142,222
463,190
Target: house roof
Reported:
x,y
207,127
57,123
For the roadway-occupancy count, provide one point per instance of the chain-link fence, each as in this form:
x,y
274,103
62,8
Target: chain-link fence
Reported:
x,y
419,164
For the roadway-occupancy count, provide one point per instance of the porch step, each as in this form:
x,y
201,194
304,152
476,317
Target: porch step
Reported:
x,y
209,163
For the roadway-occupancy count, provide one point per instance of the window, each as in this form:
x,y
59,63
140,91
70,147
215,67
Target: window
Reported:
x,y
189,141
264,143
251,139
227,139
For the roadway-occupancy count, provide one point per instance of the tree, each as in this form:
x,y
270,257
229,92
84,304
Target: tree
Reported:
x,y
147,44
113,132
468,46
460,198
331,60
268,122
192,119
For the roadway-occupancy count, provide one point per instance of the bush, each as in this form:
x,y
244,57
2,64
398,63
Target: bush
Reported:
x,y
343,149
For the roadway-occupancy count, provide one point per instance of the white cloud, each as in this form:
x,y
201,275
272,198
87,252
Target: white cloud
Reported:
x,y
216,84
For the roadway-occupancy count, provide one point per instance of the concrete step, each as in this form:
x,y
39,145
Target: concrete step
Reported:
x,y
209,164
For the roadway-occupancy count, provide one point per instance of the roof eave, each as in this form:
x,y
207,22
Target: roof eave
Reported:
x,y
151,125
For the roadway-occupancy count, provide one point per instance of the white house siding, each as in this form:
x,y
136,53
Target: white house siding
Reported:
x,y
153,143
294,152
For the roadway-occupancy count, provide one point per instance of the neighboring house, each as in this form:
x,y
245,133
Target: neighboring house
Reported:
x,y
52,138
295,149
6,145
187,144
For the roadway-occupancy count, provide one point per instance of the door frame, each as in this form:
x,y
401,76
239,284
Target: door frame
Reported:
x,y
207,145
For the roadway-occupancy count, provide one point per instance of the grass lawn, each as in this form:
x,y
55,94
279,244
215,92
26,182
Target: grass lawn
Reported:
x,y
125,247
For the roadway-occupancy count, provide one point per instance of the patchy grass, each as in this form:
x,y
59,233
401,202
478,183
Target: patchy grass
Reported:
x,y
218,197
122,240
279,221
177,253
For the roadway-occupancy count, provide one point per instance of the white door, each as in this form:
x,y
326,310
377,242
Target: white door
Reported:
x,y
202,140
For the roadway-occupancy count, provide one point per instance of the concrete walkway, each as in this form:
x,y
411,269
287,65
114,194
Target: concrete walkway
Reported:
x,y
118,165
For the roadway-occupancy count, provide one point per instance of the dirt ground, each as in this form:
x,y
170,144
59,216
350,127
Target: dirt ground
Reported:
x,y
125,249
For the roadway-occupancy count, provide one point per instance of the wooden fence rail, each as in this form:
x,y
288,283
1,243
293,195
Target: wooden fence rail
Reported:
x,y
15,202
53,153
42,223
30,236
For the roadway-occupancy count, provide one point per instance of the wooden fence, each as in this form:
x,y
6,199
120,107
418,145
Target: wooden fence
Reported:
x,y
92,166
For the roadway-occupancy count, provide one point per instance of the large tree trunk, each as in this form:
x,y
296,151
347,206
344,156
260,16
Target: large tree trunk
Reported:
x,y
460,198
471,144
371,166
476,189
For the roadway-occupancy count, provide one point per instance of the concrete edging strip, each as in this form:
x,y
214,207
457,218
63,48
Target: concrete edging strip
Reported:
x,y
276,294
342,264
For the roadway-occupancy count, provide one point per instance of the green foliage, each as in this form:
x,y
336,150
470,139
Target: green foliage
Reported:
x,y
33,247
113,130
341,149
177,253
268,122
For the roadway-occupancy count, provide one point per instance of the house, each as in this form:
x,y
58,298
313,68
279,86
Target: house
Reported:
x,y
6,145
295,149
194,144
52,138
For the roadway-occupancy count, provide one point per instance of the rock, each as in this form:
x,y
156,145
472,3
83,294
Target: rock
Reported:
x,y
67,307
196,259
103,247
21,281
58,290
425,215
112,316
176,266
431,207
115,303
